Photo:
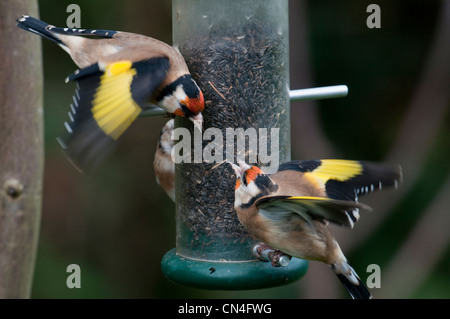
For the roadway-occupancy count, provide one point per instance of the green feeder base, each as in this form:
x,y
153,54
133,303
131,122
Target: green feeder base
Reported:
x,y
219,275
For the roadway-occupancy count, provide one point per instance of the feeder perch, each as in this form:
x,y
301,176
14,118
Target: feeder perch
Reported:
x,y
319,93
237,51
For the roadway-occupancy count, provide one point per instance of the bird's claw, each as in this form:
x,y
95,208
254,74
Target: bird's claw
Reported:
x,y
276,257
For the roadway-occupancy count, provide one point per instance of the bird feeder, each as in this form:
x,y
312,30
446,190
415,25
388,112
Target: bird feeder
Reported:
x,y
237,51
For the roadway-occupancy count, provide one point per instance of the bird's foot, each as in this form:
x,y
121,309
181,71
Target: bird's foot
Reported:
x,y
276,257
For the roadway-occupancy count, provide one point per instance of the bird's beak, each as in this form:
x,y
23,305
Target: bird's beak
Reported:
x,y
198,121
242,165
218,164
236,168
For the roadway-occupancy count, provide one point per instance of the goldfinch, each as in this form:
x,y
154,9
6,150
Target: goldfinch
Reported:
x,y
119,73
290,209
163,164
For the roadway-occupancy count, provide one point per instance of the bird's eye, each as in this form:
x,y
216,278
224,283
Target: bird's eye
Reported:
x,y
244,178
187,112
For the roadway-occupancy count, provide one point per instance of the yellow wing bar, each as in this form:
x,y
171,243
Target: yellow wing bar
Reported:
x,y
113,106
340,170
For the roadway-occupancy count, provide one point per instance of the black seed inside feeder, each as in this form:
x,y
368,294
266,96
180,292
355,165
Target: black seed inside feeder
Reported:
x,y
237,51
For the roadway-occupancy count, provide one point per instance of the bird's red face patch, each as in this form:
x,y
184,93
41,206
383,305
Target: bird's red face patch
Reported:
x,y
195,105
179,112
251,174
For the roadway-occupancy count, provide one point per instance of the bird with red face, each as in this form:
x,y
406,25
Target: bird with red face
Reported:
x,y
290,210
120,73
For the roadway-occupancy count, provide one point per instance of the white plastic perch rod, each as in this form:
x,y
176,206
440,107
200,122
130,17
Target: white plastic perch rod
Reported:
x,y
319,93
324,92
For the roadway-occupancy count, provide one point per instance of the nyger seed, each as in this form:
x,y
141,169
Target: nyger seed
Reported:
x,y
244,79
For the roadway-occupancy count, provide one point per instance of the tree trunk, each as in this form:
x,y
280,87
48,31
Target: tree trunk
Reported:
x,y
21,149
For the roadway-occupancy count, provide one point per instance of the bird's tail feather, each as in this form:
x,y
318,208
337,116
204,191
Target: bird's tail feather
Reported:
x,y
351,281
37,26
51,32
84,32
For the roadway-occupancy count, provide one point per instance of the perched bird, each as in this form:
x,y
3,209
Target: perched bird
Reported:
x,y
163,163
119,73
290,210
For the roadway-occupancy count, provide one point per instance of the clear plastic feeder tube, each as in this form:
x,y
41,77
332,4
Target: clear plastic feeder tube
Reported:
x,y
237,51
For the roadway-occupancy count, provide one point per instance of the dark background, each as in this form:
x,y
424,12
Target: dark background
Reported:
x,y
118,225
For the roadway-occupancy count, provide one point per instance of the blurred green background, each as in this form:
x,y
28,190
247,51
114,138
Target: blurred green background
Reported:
x,y
118,225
